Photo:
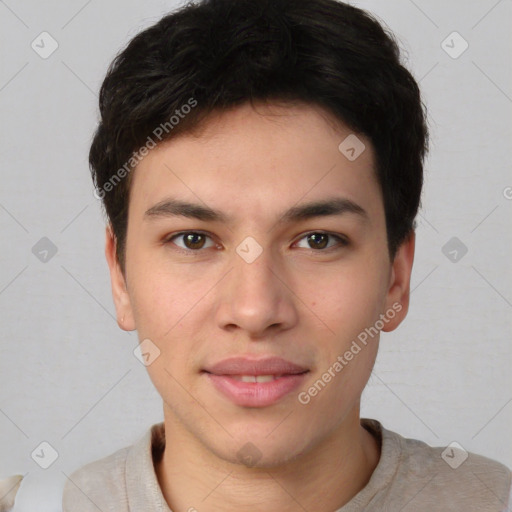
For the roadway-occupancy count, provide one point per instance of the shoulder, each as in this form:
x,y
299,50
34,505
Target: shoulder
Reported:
x,y
97,485
413,476
452,475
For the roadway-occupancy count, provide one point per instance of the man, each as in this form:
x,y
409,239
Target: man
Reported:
x,y
261,166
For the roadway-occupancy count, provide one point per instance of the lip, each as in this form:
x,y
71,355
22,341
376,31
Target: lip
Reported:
x,y
249,366
255,394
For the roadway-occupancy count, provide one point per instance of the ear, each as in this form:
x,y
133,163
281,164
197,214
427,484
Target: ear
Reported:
x,y
397,298
124,312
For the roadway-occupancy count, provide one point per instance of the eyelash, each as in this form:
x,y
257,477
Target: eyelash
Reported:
x,y
343,242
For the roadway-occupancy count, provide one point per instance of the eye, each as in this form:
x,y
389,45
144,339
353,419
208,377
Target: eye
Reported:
x,y
193,240
319,240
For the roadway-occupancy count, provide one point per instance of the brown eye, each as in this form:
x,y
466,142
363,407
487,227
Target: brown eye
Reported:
x,y
319,240
192,240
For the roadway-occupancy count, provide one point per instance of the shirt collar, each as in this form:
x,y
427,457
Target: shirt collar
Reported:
x,y
144,493
142,488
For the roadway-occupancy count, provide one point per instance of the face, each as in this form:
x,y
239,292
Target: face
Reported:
x,y
256,283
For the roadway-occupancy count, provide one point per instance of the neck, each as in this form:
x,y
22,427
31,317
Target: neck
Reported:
x,y
327,477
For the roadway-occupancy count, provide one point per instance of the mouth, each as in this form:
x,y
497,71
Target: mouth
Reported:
x,y
255,390
245,366
258,378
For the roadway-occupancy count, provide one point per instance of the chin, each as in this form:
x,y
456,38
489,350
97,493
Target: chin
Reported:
x,y
258,450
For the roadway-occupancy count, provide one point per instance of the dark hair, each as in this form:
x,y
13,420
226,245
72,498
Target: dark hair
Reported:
x,y
217,54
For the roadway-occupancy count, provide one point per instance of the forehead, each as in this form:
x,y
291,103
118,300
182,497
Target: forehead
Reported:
x,y
251,159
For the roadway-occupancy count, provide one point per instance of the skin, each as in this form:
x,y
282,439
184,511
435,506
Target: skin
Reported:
x,y
293,301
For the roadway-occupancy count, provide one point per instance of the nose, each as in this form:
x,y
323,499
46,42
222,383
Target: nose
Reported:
x,y
256,298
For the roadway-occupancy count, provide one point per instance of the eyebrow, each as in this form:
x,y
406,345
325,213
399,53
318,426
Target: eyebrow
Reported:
x,y
323,208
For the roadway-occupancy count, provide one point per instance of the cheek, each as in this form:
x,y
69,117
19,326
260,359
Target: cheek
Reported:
x,y
166,307
162,306
354,299
161,298
351,308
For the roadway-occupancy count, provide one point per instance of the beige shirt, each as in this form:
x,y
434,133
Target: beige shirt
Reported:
x,y
411,476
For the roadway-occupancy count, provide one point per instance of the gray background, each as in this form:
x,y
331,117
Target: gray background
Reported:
x,y
68,375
